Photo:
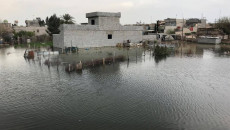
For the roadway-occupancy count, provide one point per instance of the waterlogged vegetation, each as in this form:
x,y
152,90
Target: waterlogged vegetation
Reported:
x,y
161,51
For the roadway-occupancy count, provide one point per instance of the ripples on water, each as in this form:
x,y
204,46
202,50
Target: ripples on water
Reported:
x,y
187,90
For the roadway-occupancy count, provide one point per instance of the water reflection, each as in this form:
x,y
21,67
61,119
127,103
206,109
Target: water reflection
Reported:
x,y
186,90
131,54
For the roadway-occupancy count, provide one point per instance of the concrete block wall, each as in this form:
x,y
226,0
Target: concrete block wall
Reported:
x,y
74,27
58,41
83,38
109,23
134,28
149,37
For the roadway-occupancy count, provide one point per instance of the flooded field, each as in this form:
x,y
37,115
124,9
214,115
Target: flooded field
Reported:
x,y
189,89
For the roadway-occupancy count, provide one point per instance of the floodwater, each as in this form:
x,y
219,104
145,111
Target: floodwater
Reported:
x,y
190,89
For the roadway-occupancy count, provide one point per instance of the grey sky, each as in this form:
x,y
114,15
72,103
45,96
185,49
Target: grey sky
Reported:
x,y
132,10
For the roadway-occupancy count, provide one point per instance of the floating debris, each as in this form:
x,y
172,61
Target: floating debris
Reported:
x,y
29,54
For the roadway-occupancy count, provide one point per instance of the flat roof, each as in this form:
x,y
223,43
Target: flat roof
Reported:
x,y
103,14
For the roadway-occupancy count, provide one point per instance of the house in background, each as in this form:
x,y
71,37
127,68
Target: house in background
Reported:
x,y
173,24
6,32
211,32
32,26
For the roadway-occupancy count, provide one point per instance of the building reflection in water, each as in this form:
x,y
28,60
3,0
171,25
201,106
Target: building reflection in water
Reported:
x,y
137,54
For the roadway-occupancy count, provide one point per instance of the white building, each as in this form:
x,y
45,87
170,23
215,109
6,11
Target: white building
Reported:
x,y
102,29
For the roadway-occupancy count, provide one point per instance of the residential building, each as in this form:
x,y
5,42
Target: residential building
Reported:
x,y
211,32
103,29
173,24
32,26
32,23
187,26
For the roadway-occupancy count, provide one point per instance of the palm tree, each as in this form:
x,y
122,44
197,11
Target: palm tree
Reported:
x,y
67,19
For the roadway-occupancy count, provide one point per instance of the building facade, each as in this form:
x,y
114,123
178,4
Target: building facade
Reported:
x,y
38,31
102,29
173,24
188,25
32,26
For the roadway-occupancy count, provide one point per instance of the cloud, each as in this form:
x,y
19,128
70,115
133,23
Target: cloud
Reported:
x,y
132,10
127,4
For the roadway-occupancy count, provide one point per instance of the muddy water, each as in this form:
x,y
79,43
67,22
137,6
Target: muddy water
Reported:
x,y
190,89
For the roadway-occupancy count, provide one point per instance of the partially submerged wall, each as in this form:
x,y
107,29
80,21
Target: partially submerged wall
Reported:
x,y
103,29
93,36
84,38
149,37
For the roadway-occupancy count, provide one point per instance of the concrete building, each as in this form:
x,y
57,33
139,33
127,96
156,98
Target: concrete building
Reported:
x,y
148,29
32,26
188,26
5,25
102,29
194,24
38,31
32,23
210,32
173,24
200,23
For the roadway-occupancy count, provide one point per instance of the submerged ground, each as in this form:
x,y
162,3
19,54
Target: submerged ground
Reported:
x,y
187,90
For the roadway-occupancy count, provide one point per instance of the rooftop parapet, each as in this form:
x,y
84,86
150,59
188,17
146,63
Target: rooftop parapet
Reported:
x,y
103,14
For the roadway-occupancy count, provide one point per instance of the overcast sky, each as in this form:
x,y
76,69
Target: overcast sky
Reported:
x,y
132,11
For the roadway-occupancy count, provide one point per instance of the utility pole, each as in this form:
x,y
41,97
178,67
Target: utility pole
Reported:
x,y
182,31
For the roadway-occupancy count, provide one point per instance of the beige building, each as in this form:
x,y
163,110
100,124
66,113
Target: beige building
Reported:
x,y
38,31
32,26
187,26
173,24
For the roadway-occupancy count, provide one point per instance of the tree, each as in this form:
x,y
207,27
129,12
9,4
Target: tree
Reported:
x,y
224,24
7,37
5,21
5,31
23,35
161,51
53,23
41,23
67,19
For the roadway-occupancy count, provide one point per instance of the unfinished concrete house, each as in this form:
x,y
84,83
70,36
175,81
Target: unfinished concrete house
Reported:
x,y
102,29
